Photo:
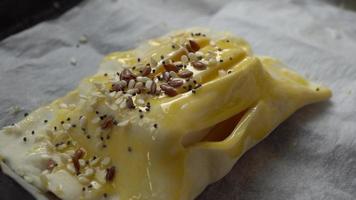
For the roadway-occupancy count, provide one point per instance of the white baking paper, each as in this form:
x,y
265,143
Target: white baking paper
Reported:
x,y
312,155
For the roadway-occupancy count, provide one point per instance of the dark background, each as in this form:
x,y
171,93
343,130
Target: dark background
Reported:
x,y
10,190
17,15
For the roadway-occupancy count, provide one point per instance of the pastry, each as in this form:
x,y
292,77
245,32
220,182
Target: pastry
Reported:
x,y
160,122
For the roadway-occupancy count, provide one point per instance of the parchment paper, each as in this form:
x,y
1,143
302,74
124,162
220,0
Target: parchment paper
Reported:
x,y
312,155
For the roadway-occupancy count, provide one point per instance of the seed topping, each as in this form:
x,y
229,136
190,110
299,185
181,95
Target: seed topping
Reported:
x,y
185,74
127,75
169,90
110,174
79,153
129,103
199,65
192,46
175,83
170,67
107,123
146,71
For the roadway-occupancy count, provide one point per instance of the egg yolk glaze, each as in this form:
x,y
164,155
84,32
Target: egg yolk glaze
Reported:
x,y
159,122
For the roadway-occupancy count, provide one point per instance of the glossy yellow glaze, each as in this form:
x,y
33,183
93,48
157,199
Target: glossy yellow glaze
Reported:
x,y
174,162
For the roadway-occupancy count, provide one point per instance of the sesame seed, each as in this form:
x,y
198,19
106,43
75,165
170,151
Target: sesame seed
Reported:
x,y
97,112
138,59
73,125
141,116
24,139
45,121
67,126
155,125
162,57
33,132
317,89
104,146
184,59
129,149
105,161
26,114
192,56
73,61
106,74
194,91
83,189
55,128
105,195
227,40
88,136
62,122
229,72
221,60
68,119
230,58
83,39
